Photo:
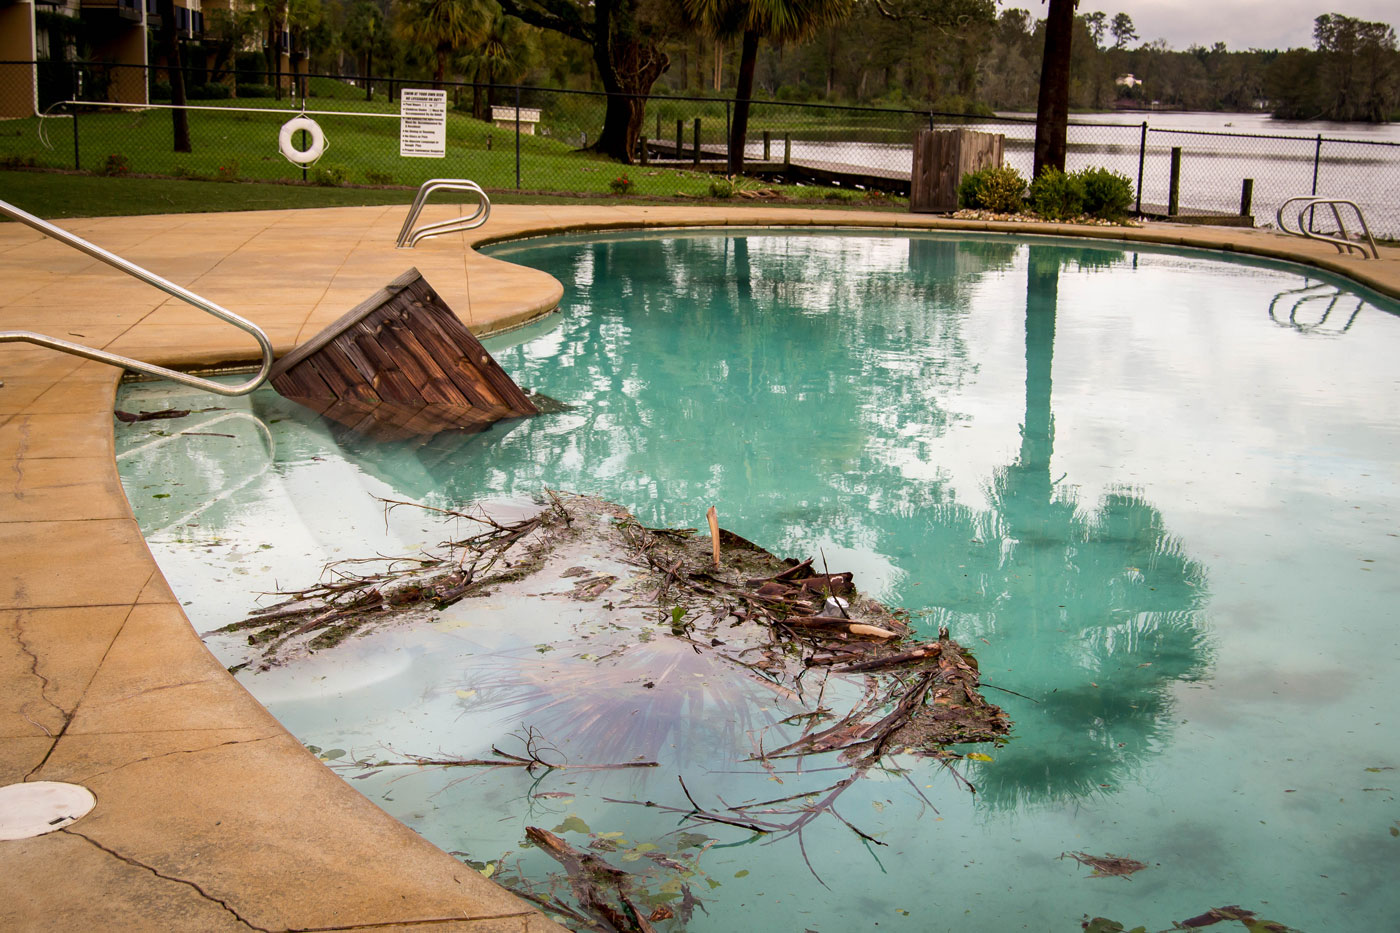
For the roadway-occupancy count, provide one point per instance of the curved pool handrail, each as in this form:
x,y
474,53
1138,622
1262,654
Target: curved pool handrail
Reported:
x,y
150,278
1344,243
409,237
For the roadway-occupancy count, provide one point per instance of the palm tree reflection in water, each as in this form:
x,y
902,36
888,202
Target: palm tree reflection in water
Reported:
x,y
832,384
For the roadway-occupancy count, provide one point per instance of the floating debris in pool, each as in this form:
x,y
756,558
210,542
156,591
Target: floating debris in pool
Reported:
x,y
1107,866
1246,918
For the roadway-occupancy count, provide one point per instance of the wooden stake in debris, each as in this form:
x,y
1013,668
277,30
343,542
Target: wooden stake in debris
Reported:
x,y
713,517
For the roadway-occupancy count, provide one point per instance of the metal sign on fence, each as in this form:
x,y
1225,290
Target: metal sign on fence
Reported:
x,y
423,123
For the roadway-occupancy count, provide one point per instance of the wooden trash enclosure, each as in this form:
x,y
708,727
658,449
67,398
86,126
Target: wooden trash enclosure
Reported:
x,y
941,159
400,365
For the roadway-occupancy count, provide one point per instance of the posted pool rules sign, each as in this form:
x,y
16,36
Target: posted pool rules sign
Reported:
x,y
422,123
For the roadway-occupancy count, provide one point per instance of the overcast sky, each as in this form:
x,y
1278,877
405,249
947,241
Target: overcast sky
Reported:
x,y
1240,24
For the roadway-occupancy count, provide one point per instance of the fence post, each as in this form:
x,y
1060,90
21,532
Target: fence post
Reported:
x,y
697,140
658,125
1317,162
728,139
1174,189
77,164
643,141
517,137
1142,162
680,135
767,146
1246,197
787,151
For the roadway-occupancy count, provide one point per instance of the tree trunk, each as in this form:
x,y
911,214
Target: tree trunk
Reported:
x,y
739,129
170,48
628,69
478,108
1052,111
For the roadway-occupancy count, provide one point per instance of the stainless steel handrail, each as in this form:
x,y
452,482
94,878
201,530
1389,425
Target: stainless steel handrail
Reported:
x,y
1344,242
409,237
170,288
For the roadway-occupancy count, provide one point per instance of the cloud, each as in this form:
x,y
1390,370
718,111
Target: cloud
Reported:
x,y
1240,24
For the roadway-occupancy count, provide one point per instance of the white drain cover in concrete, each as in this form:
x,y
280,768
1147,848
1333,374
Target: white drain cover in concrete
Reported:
x,y
38,807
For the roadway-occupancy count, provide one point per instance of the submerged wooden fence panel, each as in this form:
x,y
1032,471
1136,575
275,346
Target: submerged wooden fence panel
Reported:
x,y
400,365
941,159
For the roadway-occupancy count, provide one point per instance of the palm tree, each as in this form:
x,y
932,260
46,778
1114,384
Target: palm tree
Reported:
x,y
780,21
442,25
1052,110
506,48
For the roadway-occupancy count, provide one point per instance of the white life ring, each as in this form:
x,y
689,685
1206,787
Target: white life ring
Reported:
x,y
301,156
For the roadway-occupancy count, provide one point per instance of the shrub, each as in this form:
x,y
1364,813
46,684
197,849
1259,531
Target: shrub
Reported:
x,y
723,188
115,164
160,90
330,176
378,178
211,91
999,188
228,171
1106,194
1057,196
621,184
255,90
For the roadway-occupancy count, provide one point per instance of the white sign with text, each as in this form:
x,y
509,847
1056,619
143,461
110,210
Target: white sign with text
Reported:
x,y
423,123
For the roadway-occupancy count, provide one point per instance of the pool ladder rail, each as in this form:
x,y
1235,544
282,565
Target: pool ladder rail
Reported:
x,y
1343,240
170,288
409,235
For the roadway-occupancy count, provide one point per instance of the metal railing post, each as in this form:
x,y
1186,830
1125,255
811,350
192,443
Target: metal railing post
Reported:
x,y
767,146
1317,162
1246,197
77,163
680,138
697,140
517,137
1174,188
644,142
1142,164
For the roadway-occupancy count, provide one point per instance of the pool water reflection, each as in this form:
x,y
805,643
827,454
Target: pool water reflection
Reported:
x,y
1158,504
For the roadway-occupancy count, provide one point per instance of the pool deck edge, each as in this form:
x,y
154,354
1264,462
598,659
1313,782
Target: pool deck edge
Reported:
x,y
210,815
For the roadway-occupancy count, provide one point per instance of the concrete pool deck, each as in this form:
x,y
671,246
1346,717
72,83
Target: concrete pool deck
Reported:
x,y
209,814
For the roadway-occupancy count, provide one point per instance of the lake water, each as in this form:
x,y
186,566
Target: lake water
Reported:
x,y
1364,168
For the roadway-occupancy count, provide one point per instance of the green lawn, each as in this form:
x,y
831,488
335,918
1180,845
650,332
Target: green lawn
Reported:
x,y
54,195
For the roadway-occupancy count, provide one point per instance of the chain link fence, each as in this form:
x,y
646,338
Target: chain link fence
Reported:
x,y
117,119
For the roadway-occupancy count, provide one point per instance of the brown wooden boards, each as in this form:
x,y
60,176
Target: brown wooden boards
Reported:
x,y
400,365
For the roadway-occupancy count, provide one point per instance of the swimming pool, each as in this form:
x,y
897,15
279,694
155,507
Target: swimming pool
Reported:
x,y
1155,493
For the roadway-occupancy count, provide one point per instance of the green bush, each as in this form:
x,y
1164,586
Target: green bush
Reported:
x,y
115,164
160,90
374,177
723,188
1057,196
621,184
255,90
330,176
211,91
998,188
1106,194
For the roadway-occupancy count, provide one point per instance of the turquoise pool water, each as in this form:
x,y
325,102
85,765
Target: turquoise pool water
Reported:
x,y
1157,493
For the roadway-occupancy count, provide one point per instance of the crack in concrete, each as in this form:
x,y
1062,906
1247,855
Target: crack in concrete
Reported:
x,y
25,422
34,672
97,667
138,864
178,751
525,917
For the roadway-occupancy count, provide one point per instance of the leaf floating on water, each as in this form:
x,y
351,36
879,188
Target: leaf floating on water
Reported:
x,y
572,825
977,756
1107,866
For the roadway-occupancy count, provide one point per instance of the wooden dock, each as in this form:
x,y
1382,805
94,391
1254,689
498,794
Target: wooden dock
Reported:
x,y
400,365
715,159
